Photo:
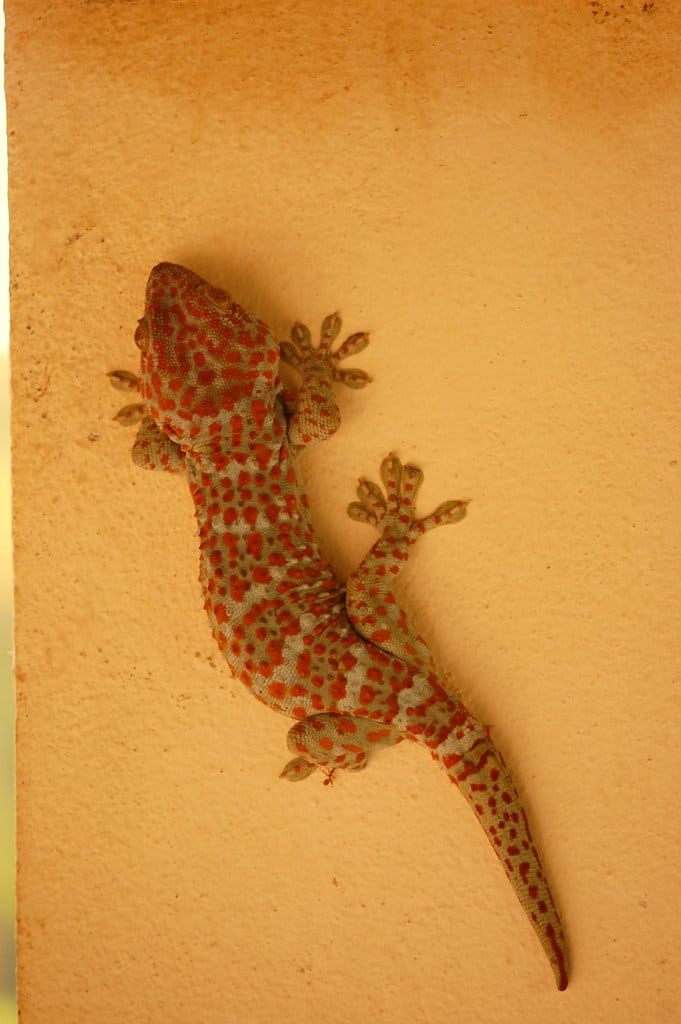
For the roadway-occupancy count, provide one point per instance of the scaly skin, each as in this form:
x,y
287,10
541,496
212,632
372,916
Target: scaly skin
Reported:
x,y
343,660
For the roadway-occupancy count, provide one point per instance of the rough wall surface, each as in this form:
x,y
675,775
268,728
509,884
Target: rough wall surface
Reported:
x,y
493,190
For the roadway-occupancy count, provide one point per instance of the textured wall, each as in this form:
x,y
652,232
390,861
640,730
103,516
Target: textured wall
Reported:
x,y
494,191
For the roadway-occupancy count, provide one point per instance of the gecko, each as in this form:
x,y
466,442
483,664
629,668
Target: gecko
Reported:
x,y
341,659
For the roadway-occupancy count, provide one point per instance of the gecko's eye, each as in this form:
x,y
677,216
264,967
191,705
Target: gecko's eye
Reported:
x,y
216,296
142,335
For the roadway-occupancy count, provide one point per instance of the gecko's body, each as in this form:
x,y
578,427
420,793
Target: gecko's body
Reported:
x,y
343,660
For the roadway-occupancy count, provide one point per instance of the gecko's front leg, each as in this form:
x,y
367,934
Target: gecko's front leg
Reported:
x,y
315,416
370,602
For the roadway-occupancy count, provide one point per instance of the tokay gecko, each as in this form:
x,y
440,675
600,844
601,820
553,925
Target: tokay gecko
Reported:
x,y
343,660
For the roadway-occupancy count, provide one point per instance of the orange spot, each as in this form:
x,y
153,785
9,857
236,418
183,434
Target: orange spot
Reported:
x,y
291,629
451,759
367,695
238,588
207,407
237,425
273,649
259,412
303,664
338,689
380,636
376,737
254,545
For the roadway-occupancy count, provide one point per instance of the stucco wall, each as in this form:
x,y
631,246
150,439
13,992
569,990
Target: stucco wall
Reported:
x,y
493,190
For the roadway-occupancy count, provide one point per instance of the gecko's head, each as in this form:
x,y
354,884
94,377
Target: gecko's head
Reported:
x,y
208,368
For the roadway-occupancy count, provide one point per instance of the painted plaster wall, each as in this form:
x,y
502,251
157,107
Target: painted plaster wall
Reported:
x,y
493,190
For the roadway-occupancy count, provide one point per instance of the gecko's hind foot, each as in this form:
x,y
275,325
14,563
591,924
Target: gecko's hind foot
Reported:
x,y
394,511
123,380
333,742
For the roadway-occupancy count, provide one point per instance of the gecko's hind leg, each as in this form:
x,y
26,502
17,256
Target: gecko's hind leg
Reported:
x,y
371,606
331,742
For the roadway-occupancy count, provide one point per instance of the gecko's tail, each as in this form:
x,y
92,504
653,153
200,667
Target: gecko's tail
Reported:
x,y
483,778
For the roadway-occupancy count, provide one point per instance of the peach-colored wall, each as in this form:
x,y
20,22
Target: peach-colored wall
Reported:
x,y
493,189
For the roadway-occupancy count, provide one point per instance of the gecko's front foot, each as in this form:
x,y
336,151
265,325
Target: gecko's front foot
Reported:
x,y
123,380
308,360
394,512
